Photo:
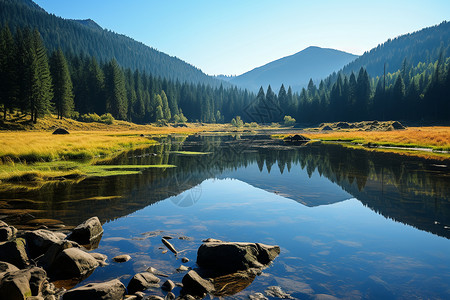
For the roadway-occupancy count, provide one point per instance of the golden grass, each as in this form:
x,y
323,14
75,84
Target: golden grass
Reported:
x,y
421,137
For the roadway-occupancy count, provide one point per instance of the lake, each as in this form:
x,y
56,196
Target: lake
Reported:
x,y
350,223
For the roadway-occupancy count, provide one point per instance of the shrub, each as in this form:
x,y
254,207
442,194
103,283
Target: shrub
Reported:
x,y
289,121
107,118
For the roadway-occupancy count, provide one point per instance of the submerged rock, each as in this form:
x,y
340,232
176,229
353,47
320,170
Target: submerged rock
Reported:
x,y
169,246
141,282
277,292
110,290
226,257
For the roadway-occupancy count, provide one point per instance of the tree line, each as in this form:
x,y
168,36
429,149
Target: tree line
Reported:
x,y
77,86
413,93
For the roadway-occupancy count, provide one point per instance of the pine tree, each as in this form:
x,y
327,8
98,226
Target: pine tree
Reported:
x,y
41,92
8,75
116,100
165,106
62,85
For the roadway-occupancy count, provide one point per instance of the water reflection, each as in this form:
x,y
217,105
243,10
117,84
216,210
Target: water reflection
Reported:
x,y
413,191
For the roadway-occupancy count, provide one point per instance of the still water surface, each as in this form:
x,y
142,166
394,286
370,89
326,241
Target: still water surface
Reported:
x,y
350,223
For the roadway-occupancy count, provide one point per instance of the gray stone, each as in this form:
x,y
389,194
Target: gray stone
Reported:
x,y
168,285
53,251
72,263
101,258
182,268
185,260
21,284
195,285
110,290
121,258
225,257
169,246
38,241
141,282
14,252
6,267
154,297
170,296
88,232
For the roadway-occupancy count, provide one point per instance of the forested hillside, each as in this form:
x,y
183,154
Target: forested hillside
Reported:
x,y
423,46
76,37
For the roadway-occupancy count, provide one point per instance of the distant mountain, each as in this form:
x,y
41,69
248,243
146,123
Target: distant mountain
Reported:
x,y
295,70
88,38
421,46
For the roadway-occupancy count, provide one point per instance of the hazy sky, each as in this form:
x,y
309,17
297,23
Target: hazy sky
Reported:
x,y
234,36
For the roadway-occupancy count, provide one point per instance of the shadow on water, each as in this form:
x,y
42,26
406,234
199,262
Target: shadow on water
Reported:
x,y
410,190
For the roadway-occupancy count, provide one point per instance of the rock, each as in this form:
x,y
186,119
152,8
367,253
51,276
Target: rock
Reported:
x,y
167,237
141,282
6,267
231,284
169,245
72,263
195,285
38,241
184,260
7,232
110,290
154,297
257,296
121,258
156,272
139,295
225,257
168,285
88,232
182,268
277,292
101,258
60,131
170,296
14,252
21,284
53,251
210,240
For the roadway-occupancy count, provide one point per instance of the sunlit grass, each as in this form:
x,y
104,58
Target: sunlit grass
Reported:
x,y
437,138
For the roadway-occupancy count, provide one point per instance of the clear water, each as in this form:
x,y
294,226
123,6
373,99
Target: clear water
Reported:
x,y
350,224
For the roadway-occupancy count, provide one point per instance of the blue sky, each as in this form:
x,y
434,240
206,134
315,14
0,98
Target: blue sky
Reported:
x,y
234,36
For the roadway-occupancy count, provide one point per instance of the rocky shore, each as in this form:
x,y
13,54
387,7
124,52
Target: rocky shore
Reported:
x,y
34,262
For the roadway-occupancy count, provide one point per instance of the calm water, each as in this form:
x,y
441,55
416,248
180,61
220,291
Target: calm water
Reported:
x,y
350,224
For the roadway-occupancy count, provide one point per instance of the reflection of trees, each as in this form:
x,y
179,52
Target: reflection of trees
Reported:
x,y
409,190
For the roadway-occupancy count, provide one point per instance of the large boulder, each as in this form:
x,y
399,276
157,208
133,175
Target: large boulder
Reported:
x,y
15,252
39,241
226,257
194,284
72,263
110,290
21,284
87,233
141,282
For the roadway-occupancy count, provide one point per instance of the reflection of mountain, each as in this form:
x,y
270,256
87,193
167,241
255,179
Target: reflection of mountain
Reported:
x,y
294,184
409,190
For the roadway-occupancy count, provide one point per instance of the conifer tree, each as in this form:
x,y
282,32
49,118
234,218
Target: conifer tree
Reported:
x,y
116,100
62,85
41,88
165,106
8,75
